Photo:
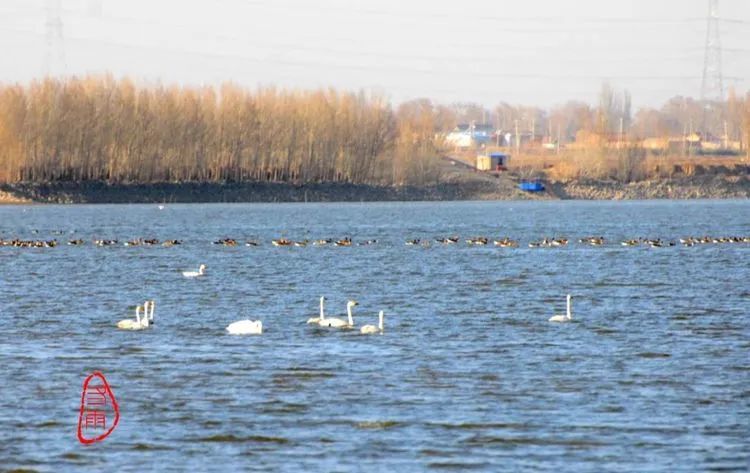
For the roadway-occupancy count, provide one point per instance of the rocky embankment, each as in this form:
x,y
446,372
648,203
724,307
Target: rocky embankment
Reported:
x,y
9,197
456,184
719,186
96,192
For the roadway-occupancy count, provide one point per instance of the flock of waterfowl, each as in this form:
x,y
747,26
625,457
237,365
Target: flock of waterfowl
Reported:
x,y
21,243
504,242
255,327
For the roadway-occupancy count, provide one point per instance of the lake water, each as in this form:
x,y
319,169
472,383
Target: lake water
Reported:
x,y
653,374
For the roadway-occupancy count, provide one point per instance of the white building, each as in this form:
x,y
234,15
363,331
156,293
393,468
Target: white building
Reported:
x,y
470,135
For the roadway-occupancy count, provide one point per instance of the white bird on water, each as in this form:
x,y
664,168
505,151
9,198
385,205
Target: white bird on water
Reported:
x,y
563,318
148,310
370,329
137,324
245,327
335,322
316,320
194,274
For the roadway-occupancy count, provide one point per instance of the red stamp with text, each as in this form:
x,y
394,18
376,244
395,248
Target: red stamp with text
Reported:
x,y
99,412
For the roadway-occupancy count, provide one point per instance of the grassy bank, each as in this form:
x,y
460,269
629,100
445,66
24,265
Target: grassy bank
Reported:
x,y
97,192
458,181
695,187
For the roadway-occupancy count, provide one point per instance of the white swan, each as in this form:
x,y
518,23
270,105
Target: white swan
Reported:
x,y
563,318
245,327
137,324
148,311
194,274
370,329
340,323
316,320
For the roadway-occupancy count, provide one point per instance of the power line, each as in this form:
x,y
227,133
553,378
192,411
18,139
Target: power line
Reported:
x,y
435,69
712,86
54,62
416,70
427,14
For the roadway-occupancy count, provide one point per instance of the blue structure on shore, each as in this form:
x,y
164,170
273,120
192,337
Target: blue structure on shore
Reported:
x,y
535,186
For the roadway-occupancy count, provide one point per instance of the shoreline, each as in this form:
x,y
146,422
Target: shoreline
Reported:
x,y
695,187
249,192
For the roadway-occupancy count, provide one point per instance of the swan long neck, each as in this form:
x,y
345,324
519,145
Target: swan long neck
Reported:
x,y
322,309
380,321
138,314
349,313
151,311
569,314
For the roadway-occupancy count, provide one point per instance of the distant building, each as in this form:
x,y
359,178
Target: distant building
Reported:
x,y
704,143
493,162
508,138
470,135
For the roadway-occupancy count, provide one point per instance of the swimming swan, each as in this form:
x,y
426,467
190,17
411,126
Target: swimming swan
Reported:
x,y
563,318
137,324
340,323
317,320
148,311
194,274
370,329
245,327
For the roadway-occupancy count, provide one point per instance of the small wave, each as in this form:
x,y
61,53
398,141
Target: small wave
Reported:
x,y
148,446
480,425
279,407
520,323
457,466
649,284
131,349
304,373
652,354
643,444
72,456
377,424
235,438
48,424
611,409
429,452
481,440
510,281
605,331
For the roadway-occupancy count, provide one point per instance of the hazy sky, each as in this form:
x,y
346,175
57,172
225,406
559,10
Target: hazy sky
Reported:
x,y
533,52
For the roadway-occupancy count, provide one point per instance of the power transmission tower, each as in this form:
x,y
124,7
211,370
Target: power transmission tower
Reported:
x,y
712,88
54,62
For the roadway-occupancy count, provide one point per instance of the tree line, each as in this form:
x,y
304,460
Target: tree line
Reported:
x,y
613,114
102,129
